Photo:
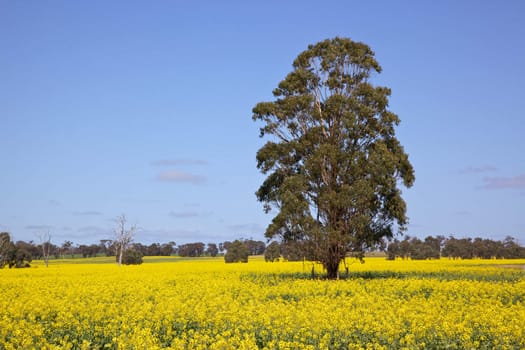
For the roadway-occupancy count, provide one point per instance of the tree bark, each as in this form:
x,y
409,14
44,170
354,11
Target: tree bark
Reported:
x,y
121,251
332,267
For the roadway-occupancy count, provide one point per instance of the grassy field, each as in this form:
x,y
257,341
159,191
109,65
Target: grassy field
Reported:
x,y
169,302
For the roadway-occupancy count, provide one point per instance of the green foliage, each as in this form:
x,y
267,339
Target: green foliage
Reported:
x,y
13,255
20,258
464,248
298,250
414,248
272,252
191,249
131,257
212,249
254,247
333,161
237,252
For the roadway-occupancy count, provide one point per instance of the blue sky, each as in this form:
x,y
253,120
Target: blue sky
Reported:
x,y
144,108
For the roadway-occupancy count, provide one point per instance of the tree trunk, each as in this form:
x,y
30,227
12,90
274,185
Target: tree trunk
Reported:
x,y
332,267
121,251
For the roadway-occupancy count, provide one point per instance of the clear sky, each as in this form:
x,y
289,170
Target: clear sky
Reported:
x,y
144,108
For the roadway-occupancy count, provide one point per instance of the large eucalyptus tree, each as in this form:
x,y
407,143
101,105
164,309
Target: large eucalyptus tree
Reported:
x,y
333,161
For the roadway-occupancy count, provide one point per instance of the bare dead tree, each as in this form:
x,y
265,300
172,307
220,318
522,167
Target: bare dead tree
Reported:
x,y
45,243
123,236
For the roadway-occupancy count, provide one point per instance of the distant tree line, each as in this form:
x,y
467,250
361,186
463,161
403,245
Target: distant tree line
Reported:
x,y
236,251
20,253
415,248
155,249
454,248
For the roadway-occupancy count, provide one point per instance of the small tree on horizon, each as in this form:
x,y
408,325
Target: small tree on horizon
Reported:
x,y
123,236
45,244
132,257
212,249
237,252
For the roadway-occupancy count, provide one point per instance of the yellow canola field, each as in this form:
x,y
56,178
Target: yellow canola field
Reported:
x,y
207,304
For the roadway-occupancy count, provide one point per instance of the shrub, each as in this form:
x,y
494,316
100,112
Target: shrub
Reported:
x,y
272,252
131,257
237,252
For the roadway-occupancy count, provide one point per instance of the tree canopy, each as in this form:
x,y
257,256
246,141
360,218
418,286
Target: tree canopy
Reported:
x,y
13,255
332,159
237,252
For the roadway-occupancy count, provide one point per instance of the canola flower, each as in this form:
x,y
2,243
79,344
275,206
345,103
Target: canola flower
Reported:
x,y
207,304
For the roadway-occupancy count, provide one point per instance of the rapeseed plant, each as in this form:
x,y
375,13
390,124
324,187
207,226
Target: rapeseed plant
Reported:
x,y
206,304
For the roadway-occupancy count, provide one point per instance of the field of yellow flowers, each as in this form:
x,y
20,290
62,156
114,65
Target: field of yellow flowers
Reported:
x,y
207,304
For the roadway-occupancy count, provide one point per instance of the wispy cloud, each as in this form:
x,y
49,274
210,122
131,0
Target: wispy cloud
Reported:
x,y
82,235
462,213
165,235
178,162
95,230
181,177
248,228
38,227
495,183
192,205
53,202
89,229
183,214
188,214
143,200
87,213
478,169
